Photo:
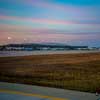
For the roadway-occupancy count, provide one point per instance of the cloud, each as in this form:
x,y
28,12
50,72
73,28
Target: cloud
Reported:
x,y
48,13
87,11
34,20
18,37
68,29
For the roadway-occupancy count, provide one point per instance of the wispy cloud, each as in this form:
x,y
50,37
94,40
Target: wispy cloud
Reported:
x,y
49,20
46,21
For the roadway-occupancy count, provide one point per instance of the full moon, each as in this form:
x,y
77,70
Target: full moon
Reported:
x,y
9,38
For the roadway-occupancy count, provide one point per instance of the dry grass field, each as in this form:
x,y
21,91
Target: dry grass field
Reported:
x,y
69,71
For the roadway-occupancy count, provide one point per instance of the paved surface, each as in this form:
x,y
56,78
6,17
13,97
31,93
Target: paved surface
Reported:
x,y
7,96
26,53
44,93
17,95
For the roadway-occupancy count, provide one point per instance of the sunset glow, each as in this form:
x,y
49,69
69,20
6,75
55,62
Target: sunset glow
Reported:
x,y
75,22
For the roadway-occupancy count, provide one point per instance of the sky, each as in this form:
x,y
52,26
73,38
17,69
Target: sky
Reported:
x,y
72,22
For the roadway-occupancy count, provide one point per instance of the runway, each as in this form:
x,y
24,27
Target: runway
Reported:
x,y
12,91
28,53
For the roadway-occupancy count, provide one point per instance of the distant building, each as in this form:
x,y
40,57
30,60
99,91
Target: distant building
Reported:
x,y
31,47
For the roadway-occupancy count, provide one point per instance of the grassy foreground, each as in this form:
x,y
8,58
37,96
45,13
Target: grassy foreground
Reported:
x,y
69,71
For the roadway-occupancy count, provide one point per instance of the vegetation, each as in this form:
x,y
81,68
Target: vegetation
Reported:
x,y
69,71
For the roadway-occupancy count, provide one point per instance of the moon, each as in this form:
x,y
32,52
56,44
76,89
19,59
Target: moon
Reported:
x,y
9,38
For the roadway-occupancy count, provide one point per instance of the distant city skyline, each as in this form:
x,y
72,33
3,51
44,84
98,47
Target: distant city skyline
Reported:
x,y
74,22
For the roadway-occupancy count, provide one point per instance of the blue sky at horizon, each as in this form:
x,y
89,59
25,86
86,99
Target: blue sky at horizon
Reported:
x,y
75,22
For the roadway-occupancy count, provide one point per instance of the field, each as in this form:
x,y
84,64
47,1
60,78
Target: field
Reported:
x,y
69,71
